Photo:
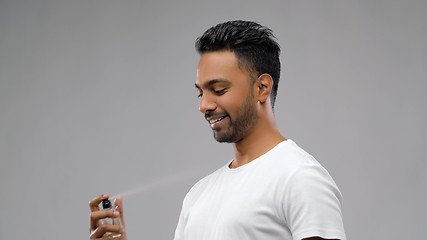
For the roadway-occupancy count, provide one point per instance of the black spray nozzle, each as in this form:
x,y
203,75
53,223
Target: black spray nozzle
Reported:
x,y
106,203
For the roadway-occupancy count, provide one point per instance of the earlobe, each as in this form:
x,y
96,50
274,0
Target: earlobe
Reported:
x,y
264,84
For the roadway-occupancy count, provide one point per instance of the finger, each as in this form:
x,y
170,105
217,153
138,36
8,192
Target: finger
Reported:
x,y
110,213
94,203
112,236
97,215
108,238
103,228
124,235
119,203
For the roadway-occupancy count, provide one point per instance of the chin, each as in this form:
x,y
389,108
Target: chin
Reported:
x,y
226,139
222,140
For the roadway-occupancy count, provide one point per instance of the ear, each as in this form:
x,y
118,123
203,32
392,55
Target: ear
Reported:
x,y
264,84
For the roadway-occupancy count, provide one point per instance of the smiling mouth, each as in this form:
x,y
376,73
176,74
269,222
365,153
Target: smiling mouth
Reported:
x,y
213,121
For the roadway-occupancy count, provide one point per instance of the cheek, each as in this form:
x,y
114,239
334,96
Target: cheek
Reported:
x,y
231,102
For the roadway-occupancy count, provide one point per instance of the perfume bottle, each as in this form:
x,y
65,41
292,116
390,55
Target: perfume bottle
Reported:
x,y
106,204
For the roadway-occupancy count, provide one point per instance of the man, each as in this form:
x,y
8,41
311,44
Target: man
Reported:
x,y
272,189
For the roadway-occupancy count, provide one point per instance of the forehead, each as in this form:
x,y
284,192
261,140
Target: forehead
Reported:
x,y
219,65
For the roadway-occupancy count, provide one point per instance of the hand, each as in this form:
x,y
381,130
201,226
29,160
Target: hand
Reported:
x,y
98,229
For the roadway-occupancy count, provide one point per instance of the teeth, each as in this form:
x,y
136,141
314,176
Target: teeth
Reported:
x,y
215,120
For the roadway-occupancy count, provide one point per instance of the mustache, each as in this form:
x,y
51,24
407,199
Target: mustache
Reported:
x,y
215,115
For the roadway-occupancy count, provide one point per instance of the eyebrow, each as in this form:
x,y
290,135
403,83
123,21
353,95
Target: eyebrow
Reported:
x,y
212,82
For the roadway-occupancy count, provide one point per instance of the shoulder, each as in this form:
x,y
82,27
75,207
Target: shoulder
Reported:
x,y
303,183
287,158
303,171
310,201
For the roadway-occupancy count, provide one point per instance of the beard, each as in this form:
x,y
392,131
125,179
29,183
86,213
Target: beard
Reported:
x,y
241,124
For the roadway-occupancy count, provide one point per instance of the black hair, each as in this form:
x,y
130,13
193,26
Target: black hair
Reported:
x,y
254,45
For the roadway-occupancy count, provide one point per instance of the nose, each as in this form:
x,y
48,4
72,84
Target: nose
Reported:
x,y
206,104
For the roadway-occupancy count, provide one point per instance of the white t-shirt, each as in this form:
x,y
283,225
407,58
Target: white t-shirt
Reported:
x,y
284,194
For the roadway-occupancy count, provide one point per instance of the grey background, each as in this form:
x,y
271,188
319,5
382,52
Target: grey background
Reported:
x,y
97,96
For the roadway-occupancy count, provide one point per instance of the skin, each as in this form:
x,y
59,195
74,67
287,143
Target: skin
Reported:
x,y
230,91
225,87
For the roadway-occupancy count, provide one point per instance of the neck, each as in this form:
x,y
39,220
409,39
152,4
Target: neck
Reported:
x,y
263,137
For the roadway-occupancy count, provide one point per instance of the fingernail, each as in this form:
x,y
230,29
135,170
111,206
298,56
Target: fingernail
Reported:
x,y
116,214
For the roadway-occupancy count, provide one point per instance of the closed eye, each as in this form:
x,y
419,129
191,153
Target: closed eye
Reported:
x,y
199,92
220,92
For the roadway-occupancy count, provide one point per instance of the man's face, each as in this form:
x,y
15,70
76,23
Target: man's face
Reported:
x,y
226,94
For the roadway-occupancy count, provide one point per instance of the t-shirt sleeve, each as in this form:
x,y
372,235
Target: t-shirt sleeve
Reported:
x,y
312,204
179,231
182,221
186,203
